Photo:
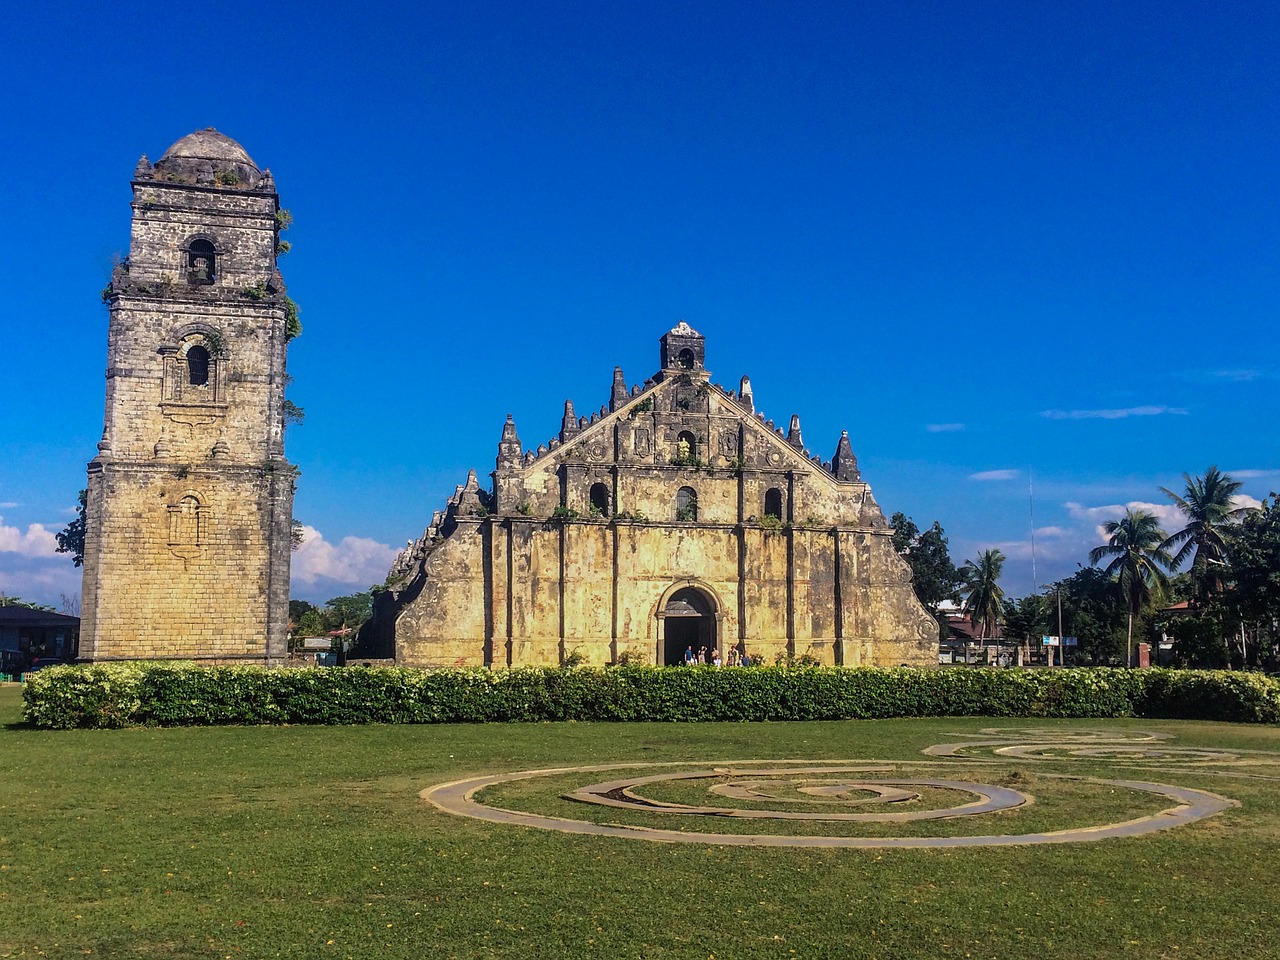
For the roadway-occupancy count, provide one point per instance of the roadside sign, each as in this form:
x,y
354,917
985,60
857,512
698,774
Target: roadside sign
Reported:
x,y
1069,642
1049,641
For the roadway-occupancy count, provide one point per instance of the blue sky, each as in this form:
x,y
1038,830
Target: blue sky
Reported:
x,y
1007,246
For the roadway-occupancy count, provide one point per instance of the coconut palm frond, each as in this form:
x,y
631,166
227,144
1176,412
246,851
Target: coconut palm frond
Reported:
x,y
1208,504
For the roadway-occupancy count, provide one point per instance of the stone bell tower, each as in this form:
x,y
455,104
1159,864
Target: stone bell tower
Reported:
x,y
190,500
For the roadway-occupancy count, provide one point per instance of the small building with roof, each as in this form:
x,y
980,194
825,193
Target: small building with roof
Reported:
x,y
27,633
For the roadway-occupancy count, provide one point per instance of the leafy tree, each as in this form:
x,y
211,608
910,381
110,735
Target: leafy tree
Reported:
x,y
983,597
1207,503
1255,567
19,602
1138,560
1092,613
1198,638
298,607
1026,619
349,611
71,539
933,575
309,624
905,533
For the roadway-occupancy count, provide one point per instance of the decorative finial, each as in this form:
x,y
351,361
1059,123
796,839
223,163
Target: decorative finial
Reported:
x,y
844,463
569,425
220,447
619,395
509,448
793,433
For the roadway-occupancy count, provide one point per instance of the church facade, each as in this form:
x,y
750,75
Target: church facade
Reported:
x,y
190,497
674,517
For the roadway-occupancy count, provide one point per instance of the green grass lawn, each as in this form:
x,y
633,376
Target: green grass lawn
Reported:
x,y
313,842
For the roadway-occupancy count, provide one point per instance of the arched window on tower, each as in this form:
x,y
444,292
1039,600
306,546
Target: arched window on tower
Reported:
x,y
198,366
685,358
600,500
686,504
202,262
773,503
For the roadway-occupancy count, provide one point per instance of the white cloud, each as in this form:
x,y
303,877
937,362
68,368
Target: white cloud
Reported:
x,y
1244,500
995,475
1046,550
944,427
39,581
1051,531
9,505
1118,414
1233,474
1238,376
1170,517
354,560
36,542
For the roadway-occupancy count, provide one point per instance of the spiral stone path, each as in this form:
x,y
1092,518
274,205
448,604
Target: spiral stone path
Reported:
x,y
861,791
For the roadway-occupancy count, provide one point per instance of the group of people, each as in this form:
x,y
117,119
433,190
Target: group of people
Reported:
x,y
712,657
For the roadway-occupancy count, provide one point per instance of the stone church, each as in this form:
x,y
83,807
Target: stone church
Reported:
x,y
675,516
190,498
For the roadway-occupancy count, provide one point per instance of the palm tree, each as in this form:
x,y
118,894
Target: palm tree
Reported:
x,y
1136,547
984,600
1208,508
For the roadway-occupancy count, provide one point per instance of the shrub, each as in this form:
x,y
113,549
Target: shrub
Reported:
x,y
102,695
176,694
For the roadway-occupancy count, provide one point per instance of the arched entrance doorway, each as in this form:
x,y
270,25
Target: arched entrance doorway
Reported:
x,y
688,621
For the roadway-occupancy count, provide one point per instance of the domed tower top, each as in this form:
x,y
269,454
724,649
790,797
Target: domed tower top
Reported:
x,y
210,158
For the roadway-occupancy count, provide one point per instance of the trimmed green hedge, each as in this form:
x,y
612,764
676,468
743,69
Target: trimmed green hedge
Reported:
x,y
175,694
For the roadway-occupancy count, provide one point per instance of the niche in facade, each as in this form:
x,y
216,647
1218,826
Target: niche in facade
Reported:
x,y
600,500
773,503
686,448
686,504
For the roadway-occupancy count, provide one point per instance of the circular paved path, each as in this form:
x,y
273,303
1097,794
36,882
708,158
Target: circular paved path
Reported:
x,y
459,797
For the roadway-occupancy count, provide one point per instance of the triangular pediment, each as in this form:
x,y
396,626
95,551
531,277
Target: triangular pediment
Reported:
x,y
653,417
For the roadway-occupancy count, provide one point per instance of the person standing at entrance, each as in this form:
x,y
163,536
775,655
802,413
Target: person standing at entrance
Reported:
x,y
688,656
